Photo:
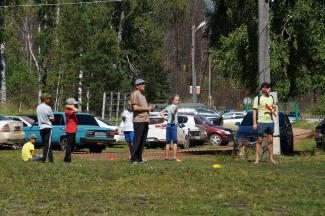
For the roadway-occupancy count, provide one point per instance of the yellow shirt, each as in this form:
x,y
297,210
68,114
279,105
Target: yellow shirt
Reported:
x,y
264,112
26,153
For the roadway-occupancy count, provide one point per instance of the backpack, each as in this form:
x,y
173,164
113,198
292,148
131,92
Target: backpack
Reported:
x,y
259,98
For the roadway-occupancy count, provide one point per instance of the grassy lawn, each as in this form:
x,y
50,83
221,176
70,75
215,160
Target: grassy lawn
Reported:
x,y
296,186
303,124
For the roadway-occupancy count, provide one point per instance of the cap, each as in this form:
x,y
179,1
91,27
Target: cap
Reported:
x,y
71,101
32,136
45,96
265,84
138,82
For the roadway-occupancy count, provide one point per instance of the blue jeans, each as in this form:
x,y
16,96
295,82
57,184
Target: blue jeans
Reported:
x,y
36,158
171,133
129,136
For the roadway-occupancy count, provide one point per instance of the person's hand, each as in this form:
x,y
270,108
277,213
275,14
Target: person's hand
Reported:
x,y
254,126
150,108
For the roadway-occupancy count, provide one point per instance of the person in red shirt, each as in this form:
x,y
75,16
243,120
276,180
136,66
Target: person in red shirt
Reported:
x,y
71,126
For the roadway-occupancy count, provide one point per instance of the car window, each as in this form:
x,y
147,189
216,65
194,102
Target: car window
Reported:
x,y
239,116
86,120
182,119
197,120
18,119
156,121
215,121
3,118
58,119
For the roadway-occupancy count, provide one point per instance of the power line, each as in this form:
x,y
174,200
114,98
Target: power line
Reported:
x,y
57,4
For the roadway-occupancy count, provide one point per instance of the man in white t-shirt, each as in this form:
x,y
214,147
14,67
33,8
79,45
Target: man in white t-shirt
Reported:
x,y
127,117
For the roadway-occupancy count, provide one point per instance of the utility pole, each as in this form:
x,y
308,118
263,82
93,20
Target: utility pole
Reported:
x,y
263,42
193,66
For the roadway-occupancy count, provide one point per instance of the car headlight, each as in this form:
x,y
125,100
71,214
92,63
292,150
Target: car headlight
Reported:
x,y
227,132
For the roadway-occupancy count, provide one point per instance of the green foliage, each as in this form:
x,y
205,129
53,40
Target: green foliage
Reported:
x,y
297,44
319,107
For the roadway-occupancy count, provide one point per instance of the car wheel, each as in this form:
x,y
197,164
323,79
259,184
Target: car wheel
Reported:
x,y
186,142
63,143
96,149
215,140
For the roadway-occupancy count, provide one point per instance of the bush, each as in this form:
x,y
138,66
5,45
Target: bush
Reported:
x,y
319,107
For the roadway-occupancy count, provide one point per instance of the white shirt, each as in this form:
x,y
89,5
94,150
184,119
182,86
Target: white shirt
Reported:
x,y
128,122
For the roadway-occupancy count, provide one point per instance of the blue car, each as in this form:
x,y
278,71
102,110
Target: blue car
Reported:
x,y
89,134
246,132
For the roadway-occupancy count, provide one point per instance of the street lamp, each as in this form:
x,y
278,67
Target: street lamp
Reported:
x,y
194,29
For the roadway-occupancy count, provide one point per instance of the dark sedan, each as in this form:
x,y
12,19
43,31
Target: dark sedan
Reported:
x,y
246,132
320,135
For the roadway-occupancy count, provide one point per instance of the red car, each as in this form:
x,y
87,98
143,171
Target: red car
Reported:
x,y
217,135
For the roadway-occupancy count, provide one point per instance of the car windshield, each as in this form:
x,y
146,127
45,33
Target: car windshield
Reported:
x,y
4,118
27,119
86,120
156,121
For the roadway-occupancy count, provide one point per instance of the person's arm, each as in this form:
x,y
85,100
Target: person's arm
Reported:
x,y
138,108
254,119
50,114
73,108
255,108
162,114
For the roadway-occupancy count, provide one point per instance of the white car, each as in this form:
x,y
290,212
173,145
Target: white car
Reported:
x,y
193,127
11,132
230,119
106,124
24,119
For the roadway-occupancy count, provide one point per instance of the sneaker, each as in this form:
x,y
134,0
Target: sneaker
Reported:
x,y
135,162
144,161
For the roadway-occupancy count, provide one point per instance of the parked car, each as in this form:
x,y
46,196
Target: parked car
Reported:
x,y
89,134
320,135
106,124
193,127
246,131
27,121
230,119
217,135
11,132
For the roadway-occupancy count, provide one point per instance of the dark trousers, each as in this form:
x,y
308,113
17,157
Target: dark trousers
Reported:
x,y
71,141
140,138
46,135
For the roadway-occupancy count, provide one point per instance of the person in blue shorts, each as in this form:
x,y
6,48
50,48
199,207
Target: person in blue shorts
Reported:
x,y
171,129
127,117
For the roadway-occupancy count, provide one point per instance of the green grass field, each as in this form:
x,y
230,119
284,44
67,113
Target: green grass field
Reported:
x,y
296,186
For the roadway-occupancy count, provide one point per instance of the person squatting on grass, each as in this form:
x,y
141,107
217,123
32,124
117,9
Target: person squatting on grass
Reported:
x,y
28,152
141,111
71,128
127,118
263,106
45,117
171,129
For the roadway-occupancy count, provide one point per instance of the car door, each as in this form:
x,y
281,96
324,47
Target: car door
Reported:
x,y
58,129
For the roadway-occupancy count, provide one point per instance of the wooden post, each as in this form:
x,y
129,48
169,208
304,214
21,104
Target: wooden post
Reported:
x,y
104,105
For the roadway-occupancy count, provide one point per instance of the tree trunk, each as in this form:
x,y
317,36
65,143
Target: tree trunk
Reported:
x,y
80,90
3,75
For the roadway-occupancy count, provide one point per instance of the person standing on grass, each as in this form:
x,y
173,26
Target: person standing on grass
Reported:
x,y
71,127
141,111
45,118
171,130
127,117
263,106
28,152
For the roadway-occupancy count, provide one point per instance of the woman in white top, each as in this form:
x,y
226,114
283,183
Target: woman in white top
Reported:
x,y
127,117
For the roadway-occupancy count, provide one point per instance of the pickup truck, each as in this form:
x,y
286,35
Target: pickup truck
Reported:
x,y
89,134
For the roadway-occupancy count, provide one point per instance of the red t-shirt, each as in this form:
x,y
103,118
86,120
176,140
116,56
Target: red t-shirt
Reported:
x,y
72,121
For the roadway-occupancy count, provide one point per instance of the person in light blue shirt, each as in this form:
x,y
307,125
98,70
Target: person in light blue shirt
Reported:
x,y
171,129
